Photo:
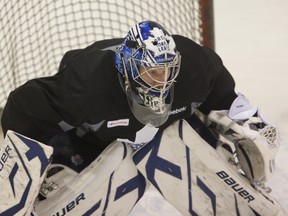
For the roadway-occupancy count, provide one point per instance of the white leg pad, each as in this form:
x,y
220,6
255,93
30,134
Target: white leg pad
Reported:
x,y
110,185
195,179
23,164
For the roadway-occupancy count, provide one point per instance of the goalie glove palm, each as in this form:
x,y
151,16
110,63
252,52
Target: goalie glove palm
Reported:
x,y
255,140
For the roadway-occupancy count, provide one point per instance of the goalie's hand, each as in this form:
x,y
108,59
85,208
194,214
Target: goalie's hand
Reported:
x,y
255,140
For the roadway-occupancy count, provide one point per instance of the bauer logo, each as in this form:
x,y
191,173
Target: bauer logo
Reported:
x,y
235,186
4,157
70,206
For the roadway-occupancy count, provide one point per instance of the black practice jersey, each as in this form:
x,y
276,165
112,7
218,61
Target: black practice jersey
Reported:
x,y
86,93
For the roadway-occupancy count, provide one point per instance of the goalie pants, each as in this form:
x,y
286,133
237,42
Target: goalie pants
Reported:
x,y
74,151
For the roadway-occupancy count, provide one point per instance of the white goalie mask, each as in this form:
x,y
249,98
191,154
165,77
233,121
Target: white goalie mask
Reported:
x,y
148,63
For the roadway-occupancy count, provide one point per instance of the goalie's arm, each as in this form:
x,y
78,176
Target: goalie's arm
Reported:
x,y
29,113
221,92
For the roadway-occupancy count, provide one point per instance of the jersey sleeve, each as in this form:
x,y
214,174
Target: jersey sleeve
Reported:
x,y
222,88
37,108
77,94
29,112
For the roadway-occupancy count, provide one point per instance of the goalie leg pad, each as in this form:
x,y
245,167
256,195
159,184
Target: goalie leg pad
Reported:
x,y
23,164
110,185
195,179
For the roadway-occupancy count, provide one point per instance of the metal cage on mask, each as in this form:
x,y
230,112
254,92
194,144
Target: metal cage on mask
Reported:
x,y
152,82
150,104
149,65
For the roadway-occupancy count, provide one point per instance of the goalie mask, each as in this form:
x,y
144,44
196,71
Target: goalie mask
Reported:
x,y
148,64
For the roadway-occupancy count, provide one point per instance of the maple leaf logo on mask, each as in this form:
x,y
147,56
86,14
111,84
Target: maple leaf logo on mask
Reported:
x,y
160,43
